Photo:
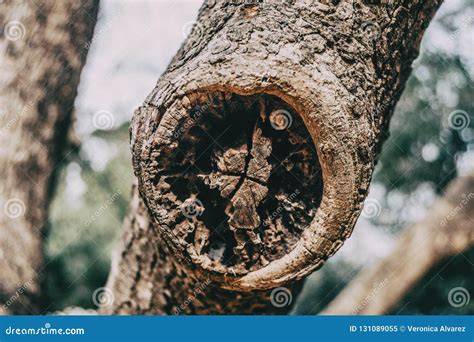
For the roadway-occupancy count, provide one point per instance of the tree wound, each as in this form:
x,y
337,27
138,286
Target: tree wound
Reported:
x,y
235,179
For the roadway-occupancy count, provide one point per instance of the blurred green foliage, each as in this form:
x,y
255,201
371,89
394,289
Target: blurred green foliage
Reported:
x,y
421,120
84,230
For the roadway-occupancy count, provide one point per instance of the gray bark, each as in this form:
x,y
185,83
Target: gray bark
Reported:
x,y
447,230
259,95
43,49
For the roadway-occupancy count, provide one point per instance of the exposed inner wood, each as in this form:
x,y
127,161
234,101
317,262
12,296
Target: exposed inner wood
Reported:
x,y
240,177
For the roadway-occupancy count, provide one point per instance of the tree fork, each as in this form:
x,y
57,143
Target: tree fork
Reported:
x,y
255,150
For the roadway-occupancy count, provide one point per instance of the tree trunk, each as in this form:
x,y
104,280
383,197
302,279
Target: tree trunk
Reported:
x,y
43,49
255,150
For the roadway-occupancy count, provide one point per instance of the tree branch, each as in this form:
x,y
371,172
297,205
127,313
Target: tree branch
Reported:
x,y
446,231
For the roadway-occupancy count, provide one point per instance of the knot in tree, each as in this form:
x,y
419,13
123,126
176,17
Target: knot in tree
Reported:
x,y
232,182
254,152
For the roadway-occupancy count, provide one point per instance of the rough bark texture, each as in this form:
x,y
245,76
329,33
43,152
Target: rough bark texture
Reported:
x,y
163,285
446,231
255,150
43,49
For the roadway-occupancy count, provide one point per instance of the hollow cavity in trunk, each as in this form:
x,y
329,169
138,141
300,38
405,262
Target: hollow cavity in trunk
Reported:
x,y
240,177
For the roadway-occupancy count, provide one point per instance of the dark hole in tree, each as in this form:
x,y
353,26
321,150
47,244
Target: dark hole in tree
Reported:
x,y
233,150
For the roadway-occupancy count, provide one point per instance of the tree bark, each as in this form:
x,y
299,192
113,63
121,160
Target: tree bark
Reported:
x,y
447,230
43,48
255,150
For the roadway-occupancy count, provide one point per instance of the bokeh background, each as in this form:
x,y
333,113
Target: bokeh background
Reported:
x,y
132,45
